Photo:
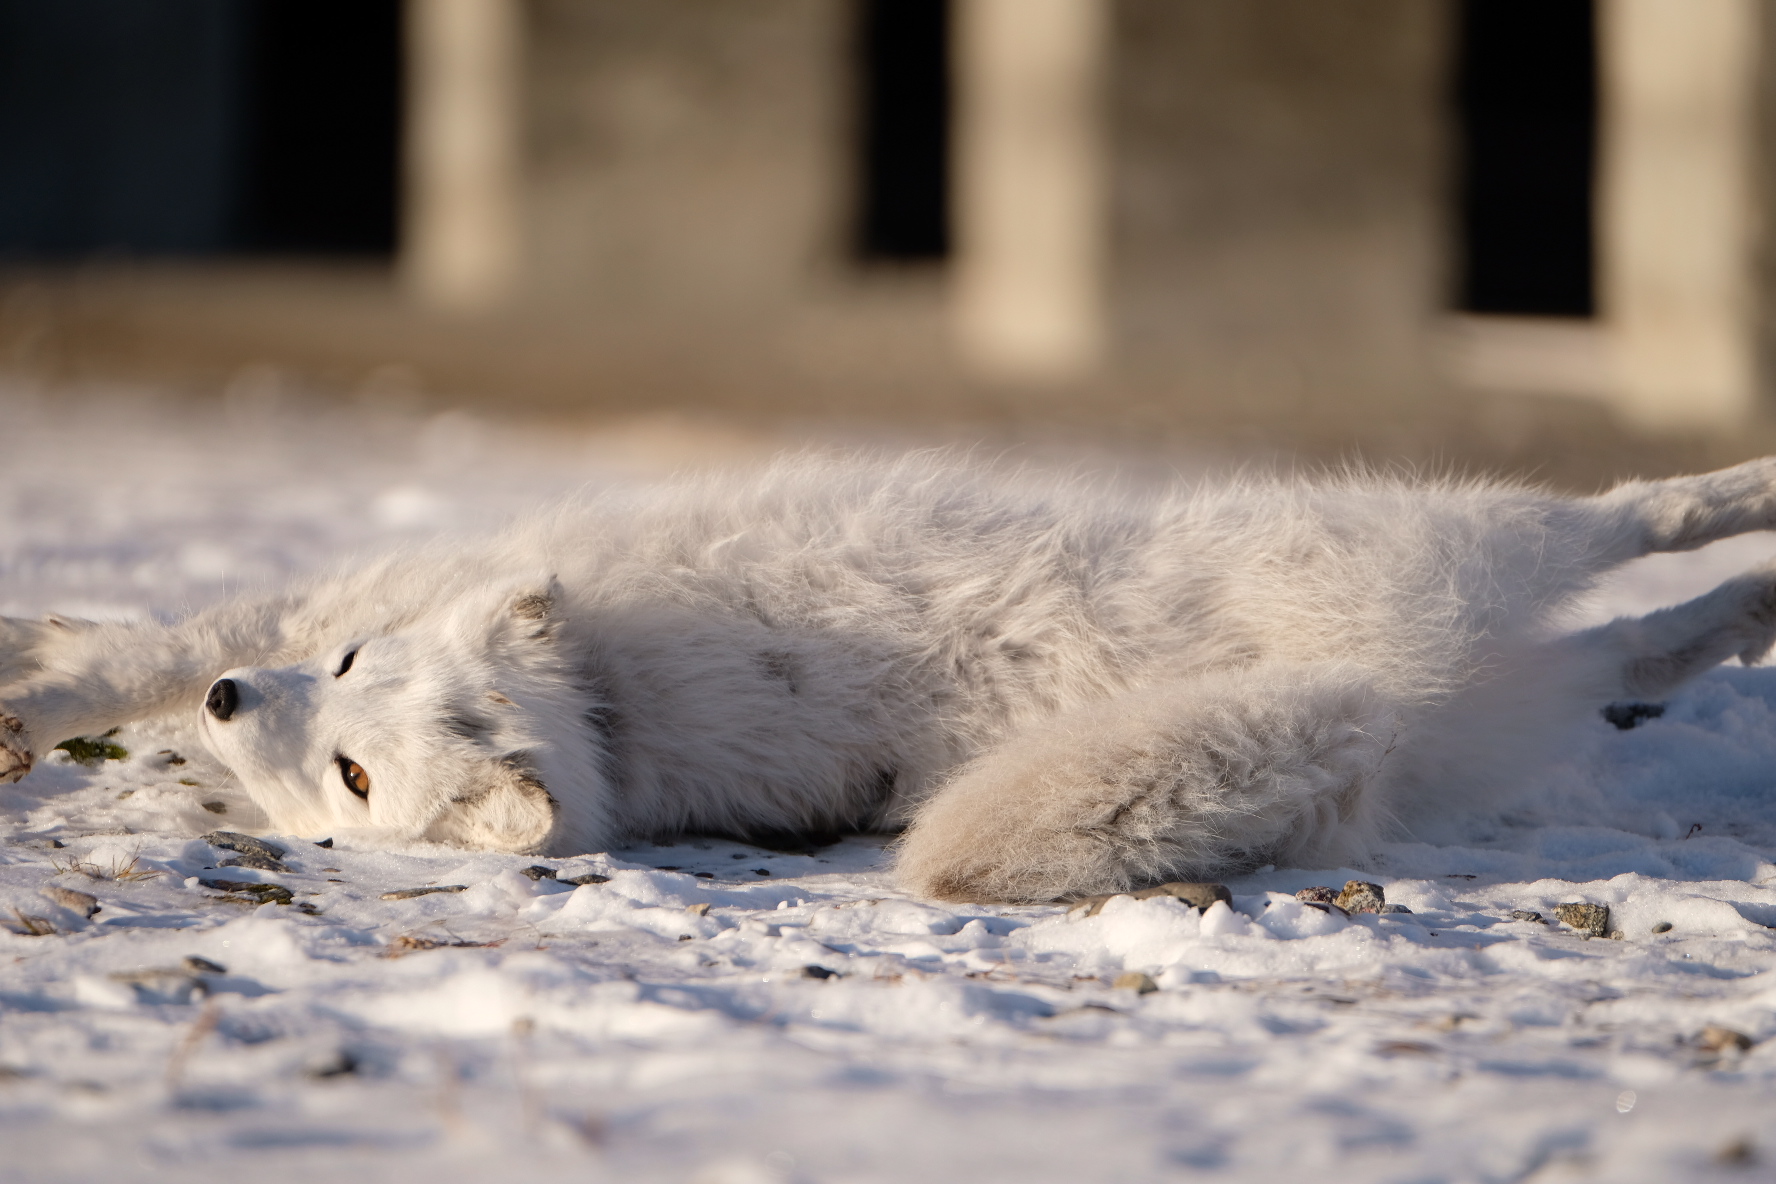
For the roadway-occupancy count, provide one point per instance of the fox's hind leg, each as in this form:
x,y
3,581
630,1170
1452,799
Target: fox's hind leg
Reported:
x,y
1649,657
1191,779
1680,513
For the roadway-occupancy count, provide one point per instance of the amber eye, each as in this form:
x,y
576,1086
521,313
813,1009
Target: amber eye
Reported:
x,y
356,779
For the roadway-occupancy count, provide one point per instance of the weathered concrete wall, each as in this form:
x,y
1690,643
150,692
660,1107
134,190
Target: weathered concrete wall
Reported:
x,y
1278,200
685,152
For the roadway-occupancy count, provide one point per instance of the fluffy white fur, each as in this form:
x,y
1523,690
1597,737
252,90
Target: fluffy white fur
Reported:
x,y
1053,689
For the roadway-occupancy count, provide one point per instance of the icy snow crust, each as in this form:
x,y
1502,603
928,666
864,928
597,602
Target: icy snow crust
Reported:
x,y
720,1013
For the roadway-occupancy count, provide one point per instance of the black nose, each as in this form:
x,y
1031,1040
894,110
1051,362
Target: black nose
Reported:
x,y
223,698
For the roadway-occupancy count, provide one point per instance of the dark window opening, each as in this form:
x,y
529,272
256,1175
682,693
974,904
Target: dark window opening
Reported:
x,y
322,153
193,127
1527,106
904,193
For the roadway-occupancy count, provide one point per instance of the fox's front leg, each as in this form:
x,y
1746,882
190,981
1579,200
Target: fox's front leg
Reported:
x,y
83,677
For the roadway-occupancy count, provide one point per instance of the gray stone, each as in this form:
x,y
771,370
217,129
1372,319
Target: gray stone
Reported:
x,y
585,878
1590,919
812,971
537,871
410,893
1396,908
1322,898
1198,894
1360,896
1090,906
276,893
1134,980
1527,915
258,863
198,965
84,903
229,840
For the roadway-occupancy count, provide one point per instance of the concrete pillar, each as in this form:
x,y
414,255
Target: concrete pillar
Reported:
x,y
1029,213
1676,208
461,235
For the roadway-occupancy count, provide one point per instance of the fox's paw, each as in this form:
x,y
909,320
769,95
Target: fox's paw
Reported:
x,y
15,750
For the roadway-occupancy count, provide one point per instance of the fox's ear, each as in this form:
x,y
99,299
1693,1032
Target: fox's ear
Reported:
x,y
532,611
509,810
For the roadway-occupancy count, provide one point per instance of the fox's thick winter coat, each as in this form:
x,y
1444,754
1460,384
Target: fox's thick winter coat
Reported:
x,y
1052,688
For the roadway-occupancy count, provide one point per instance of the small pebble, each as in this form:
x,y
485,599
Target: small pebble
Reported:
x,y
325,843
1626,716
1360,896
761,871
198,965
587,878
1590,919
162,986
410,893
1527,915
537,871
84,903
339,1064
1134,980
812,971
1715,1038
216,807
1396,908
1740,1153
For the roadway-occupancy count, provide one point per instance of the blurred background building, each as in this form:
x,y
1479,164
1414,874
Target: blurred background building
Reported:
x,y
1494,228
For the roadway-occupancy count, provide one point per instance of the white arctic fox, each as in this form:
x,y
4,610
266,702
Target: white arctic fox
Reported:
x,y
1054,689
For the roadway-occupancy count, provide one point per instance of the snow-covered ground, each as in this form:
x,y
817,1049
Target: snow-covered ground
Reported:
x,y
724,1014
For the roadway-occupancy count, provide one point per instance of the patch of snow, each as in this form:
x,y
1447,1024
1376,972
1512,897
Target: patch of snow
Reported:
x,y
720,1013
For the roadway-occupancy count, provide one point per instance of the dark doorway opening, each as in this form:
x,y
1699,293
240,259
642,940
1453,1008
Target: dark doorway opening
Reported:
x,y
904,125
199,126
1526,98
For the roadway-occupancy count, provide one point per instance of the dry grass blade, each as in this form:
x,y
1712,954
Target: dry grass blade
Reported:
x,y
118,871
30,926
202,1026
412,943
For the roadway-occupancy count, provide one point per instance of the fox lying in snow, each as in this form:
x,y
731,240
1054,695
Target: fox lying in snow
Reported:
x,y
1053,689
